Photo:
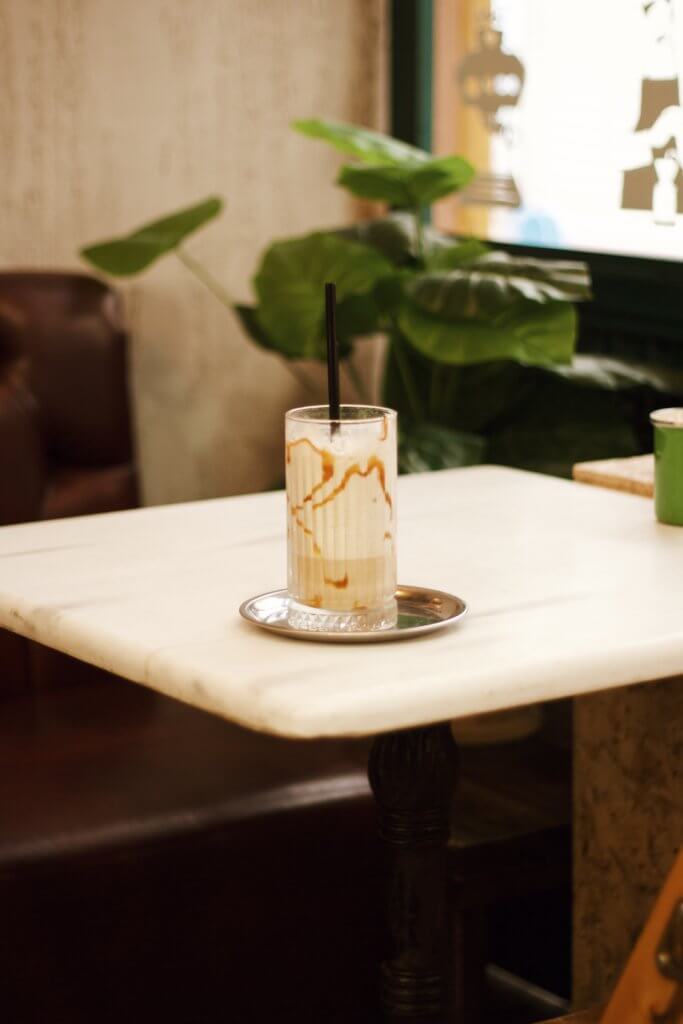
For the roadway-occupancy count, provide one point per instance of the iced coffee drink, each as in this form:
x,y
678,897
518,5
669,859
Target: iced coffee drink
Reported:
x,y
341,518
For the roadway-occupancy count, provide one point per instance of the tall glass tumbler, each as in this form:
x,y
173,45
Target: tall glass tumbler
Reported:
x,y
341,518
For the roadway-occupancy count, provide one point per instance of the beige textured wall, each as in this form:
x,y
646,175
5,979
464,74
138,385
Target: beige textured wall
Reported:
x,y
114,111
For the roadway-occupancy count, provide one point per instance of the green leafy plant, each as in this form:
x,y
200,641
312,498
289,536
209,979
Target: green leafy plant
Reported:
x,y
480,358
132,253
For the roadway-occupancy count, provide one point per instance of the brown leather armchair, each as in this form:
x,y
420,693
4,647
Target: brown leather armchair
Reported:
x,y
65,442
65,439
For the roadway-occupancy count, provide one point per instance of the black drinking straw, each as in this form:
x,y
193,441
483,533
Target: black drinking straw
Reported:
x,y
332,353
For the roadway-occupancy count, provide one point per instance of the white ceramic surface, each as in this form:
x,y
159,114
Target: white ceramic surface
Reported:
x,y
571,589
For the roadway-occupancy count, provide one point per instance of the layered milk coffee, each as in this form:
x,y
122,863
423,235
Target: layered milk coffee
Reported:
x,y
341,518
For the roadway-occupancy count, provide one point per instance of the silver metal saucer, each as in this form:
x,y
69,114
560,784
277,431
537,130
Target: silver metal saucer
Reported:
x,y
420,611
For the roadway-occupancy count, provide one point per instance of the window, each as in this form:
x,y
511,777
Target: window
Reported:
x,y
571,112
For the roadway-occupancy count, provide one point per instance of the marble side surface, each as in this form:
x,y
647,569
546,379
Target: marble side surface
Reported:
x,y
636,475
572,589
628,822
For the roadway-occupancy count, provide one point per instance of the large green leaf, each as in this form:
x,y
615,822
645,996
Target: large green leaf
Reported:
x,y
563,423
439,177
385,184
408,186
366,145
544,419
395,238
616,374
447,253
357,316
472,399
495,281
290,288
248,317
425,446
526,332
132,253
389,297
636,387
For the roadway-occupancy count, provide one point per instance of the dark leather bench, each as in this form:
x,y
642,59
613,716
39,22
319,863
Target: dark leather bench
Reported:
x,y
160,864
195,860
585,1017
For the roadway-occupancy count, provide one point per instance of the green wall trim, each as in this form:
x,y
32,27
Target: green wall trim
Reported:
x,y
412,26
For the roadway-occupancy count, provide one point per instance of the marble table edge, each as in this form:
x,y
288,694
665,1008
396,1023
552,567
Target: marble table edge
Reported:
x,y
614,669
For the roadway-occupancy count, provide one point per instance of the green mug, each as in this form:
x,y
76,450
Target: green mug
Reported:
x,y
668,424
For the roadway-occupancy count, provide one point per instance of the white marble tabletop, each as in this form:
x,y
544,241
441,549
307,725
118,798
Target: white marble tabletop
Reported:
x,y
571,589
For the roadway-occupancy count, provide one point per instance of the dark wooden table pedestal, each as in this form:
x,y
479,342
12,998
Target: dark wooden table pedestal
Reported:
x,y
412,775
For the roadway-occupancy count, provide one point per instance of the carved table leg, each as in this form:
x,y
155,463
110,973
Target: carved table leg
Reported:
x,y
412,775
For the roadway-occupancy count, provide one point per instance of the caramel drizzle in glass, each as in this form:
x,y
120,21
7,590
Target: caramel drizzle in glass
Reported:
x,y
374,465
341,584
327,473
306,529
295,444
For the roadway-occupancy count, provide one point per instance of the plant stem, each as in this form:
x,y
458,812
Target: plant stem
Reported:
x,y
450,394
205,276
404,370
357,381
419,234
435,381
199,271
